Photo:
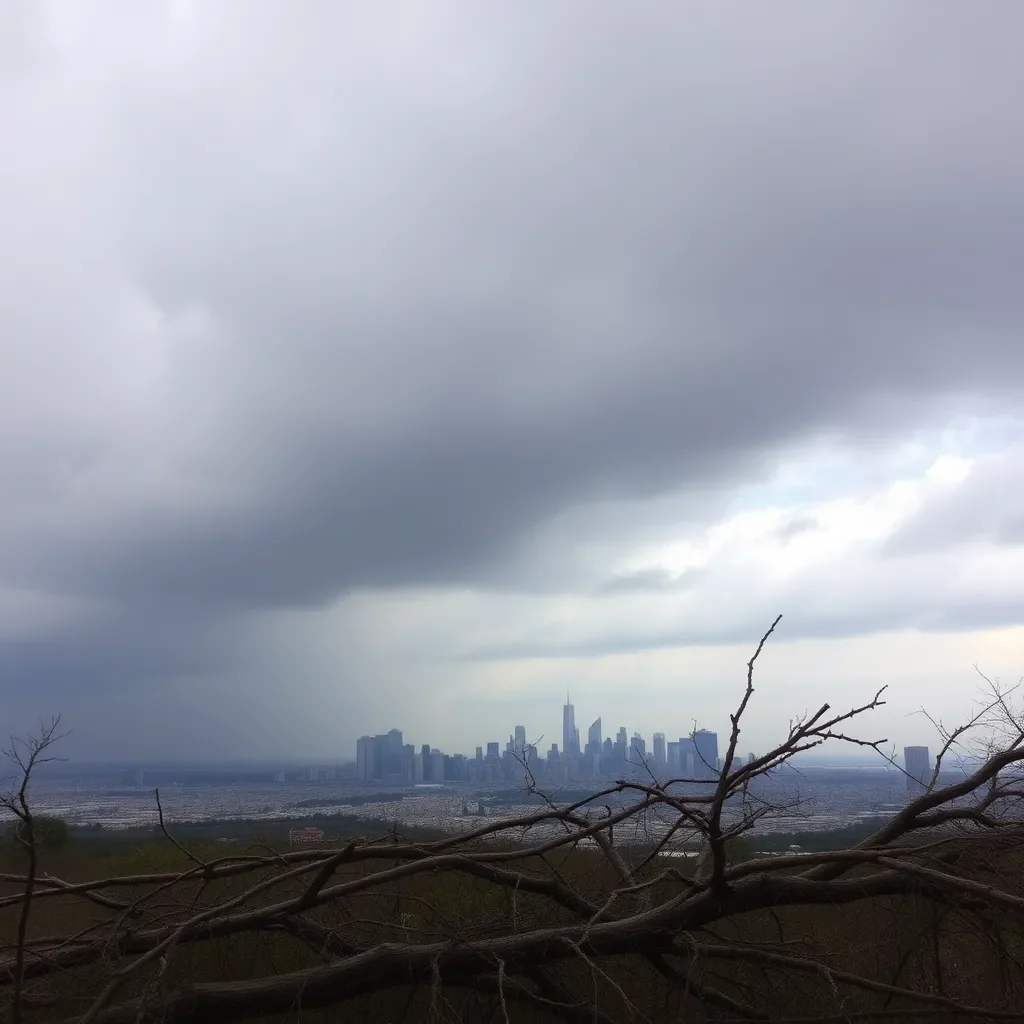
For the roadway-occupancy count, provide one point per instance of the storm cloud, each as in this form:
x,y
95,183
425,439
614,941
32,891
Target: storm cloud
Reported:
x,y
312,305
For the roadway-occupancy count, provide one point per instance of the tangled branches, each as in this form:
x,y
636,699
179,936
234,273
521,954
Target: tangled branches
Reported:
x,y
551,916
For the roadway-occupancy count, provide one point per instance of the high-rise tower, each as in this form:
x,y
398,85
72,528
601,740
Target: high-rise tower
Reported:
x,y
918,767
569,734
659,748
706,750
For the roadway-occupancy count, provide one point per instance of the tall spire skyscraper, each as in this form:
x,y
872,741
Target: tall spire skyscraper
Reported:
x,y
568,727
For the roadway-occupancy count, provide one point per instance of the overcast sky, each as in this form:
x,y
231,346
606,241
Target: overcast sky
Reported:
x,y
404,364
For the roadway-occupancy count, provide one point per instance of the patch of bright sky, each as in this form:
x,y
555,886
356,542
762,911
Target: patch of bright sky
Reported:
x,y
830,468
845,497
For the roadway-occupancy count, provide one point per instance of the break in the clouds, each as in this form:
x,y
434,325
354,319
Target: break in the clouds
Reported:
x,y
376,357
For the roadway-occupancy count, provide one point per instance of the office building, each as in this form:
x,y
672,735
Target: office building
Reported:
x,y
394,756
918,766
638,749
365,759
687,757
519,746
659,748
569,733
706,749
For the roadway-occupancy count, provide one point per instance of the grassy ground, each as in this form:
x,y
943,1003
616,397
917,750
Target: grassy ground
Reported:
x,y
905,939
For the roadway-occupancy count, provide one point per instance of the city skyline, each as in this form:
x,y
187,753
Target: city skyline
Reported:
x,y
697,754
519,739
386,758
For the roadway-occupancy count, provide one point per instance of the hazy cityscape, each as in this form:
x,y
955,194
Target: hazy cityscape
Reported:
x,y
387,759
399,783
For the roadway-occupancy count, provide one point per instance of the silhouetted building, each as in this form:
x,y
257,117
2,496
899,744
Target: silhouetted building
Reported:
x,y
638,749
395,755
519,747
570,737
366,759
659,748
687,757
380,755
706,747
917,763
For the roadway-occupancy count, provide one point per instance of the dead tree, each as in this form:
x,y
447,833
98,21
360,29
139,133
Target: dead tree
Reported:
x,y
26,755
552,915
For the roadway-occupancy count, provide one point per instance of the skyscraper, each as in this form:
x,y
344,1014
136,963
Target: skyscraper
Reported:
x,y
380,755
706,747
917,763
594,737
365,759
568,727
659,748
638,748
519,745
688,757
393,756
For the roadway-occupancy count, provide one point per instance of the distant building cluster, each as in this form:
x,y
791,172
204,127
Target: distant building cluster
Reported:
x,y
386,758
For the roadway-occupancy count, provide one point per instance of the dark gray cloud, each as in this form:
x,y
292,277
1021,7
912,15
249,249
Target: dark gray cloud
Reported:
x,y
295,304
438,316
655,580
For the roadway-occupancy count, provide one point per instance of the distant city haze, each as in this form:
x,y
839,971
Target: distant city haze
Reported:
x,y
387,759
432,368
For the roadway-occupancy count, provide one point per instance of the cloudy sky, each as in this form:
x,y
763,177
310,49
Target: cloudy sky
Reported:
x,y
404,364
